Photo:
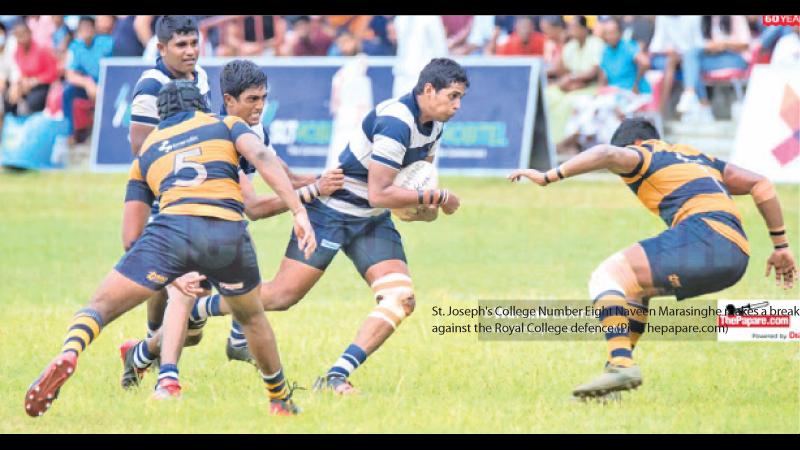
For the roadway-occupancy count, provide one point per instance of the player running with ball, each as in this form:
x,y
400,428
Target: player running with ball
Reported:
x,y
704,249
356,219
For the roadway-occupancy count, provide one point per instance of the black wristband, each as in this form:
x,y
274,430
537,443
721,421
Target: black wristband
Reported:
x,y
420,196
777,233
546,180
780,246
558,172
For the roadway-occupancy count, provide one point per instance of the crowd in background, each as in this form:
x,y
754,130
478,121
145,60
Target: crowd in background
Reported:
x,y
599,68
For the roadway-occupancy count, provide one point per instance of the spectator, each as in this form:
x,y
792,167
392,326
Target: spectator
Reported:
x,y
104,25
523,41
383,41
623,63
5,70
308,38
480,36
674,36
37,70
131,35
555,32
238,40
419,39
727,39
457,29
577,75
639,29
83,67
346,44
787,51
597,117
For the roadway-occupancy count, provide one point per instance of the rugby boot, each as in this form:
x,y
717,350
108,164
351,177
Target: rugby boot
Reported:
x,y
613,379
44,390
131,375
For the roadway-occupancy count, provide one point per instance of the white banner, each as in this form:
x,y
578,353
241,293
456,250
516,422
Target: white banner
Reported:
x,y
758,320
768,136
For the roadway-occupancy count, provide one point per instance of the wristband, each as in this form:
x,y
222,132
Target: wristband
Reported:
x,y
308,193
778,236
432,196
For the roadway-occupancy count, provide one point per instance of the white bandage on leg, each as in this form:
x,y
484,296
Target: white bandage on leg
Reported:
x,y
615,273
395,296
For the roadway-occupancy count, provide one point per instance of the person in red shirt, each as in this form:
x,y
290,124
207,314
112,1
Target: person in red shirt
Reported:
x,y
523,41
38,68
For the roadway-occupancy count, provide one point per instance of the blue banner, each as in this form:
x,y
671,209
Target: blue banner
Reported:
x,y
492,132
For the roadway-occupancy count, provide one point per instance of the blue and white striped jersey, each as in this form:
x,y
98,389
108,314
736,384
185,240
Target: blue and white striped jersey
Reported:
x,y
144,108
390,135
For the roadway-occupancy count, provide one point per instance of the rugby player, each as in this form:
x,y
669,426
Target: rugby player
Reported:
x,y
704,249
356,219
191,163
178,46
244,88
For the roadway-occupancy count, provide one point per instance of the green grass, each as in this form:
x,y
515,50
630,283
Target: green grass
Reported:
x,y
60,234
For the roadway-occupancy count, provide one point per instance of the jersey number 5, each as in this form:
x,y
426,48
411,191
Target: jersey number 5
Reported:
x,y
181,163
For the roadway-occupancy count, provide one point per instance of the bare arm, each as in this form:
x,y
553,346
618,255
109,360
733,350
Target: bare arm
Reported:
x,y
267,165
608,157
740,182
138,133
134,219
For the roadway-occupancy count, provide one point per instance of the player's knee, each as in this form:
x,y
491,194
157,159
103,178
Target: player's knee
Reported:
x,y
394,294
615,274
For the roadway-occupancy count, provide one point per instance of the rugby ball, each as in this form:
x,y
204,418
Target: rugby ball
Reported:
x,y
418,175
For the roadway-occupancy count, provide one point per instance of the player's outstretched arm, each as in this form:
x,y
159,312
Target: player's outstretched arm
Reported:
x,y
741,181
273,174
383,193
599,157
261,206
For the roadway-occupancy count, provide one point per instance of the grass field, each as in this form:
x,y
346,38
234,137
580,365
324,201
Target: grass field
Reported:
x,y
60,234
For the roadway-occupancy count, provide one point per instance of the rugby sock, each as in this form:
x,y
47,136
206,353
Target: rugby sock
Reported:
x,y
276,385
168,371
637,316
85,327
152,327
613,314
141,356
353,357
205,307
237,335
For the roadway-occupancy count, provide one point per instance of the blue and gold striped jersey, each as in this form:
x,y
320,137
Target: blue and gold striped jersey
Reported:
x,y
190,162
677,181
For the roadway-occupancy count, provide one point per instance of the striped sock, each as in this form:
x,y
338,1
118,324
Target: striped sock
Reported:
x,y
613,313
85,327
276,385
237,335
353,357
637,316
152,327
205,307
141,356
168,371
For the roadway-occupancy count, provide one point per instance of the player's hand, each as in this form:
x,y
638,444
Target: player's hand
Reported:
x,y
306,241
189,284
531,174
452,204
330,181
782,261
